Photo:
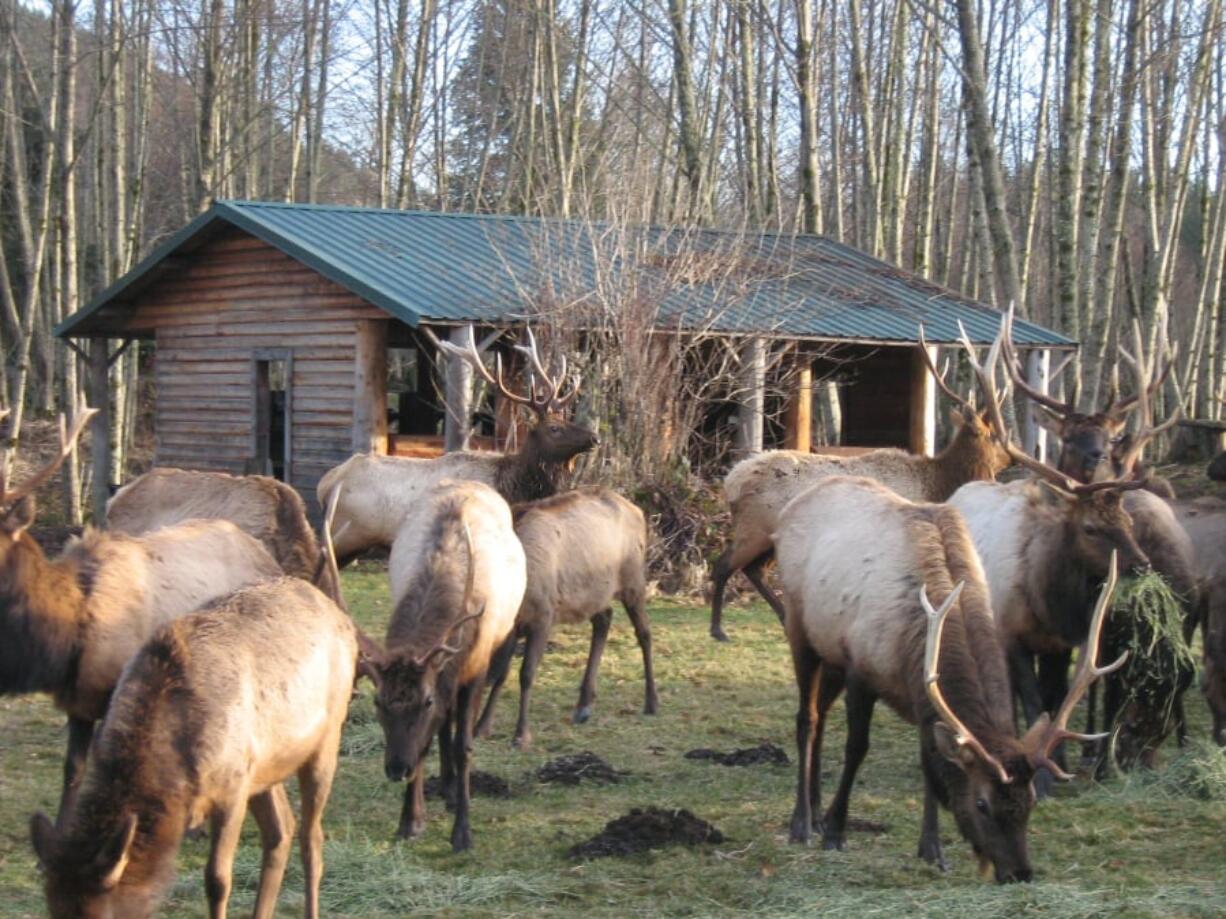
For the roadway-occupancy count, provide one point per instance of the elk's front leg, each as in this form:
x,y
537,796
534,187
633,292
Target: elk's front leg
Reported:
x,y
930,834
535,641
413,811
80,735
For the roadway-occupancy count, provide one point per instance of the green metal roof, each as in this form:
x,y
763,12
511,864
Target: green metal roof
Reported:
x,y
424,266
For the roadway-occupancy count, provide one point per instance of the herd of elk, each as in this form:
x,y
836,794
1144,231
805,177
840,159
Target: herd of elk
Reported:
x,y
381,490
457,576
919,581
858,563
584,549
758,487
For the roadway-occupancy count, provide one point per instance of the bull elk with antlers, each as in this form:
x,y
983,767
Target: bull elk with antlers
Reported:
x,y
858,565
758,488
380,490
69,625
457,574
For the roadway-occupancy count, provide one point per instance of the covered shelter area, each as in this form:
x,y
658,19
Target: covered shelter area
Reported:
x,y
287,335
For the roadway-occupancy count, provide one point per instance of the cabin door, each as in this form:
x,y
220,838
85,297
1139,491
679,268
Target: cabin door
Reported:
x,y
272,374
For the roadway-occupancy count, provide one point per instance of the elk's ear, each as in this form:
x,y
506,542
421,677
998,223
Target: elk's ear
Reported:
x,y
112,858
370,659
947,745
19,517
1048,420
42,837
956,418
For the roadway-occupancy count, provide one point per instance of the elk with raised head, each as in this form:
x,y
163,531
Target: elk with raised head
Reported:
x,y
457,577
584,549
758,488
858,564
381,490
68,625
268,510
211,716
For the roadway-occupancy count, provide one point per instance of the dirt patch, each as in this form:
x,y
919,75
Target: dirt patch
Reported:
x,y
575,768
480,784
766,754
647,828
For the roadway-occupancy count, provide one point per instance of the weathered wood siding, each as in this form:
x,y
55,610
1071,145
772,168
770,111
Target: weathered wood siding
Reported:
x,y
231,299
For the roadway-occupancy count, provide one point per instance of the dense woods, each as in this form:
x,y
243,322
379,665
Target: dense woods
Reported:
x,y
1066,155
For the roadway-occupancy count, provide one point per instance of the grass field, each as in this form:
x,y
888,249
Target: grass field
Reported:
x,y
1140,846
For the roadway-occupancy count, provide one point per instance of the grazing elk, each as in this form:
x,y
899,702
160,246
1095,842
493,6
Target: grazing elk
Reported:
x,y
457,575
213,714
1205,522
270,511
857,564
584,549
758,488
68,626
380,490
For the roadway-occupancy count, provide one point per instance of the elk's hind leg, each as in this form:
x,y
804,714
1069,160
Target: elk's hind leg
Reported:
x,y
275,817
756,571
860,703
536,638
500,666
636,609
808,667
80,734
587,690
314,785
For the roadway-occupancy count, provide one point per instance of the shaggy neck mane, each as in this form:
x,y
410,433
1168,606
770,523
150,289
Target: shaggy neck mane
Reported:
x,y
41,614
1063,600
525,476
965,459
973,676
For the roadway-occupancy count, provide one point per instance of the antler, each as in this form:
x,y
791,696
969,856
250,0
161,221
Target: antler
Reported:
x,y
1149,379
1018,379
1045,735
328,572
548,399
986,375
68,440
939,376
551,386
932,651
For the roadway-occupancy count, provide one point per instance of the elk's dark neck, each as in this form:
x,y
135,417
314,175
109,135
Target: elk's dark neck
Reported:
x,y
526,476
962,461
1067,591
42,610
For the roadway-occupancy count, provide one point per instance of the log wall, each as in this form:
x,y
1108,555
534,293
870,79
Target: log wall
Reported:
x,y
234,298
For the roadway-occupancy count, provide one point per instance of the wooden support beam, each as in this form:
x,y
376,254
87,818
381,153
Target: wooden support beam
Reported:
x,y
751,415
457,394
1038,376
923,405
799,435
370,386
100,428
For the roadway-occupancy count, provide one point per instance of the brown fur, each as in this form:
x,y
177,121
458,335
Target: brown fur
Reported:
x,y
584,549
71,624
209,715
269,510
758,488
1205,521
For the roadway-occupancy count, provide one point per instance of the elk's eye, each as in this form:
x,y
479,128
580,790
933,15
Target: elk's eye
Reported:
x,y
982,805
555,429
428,700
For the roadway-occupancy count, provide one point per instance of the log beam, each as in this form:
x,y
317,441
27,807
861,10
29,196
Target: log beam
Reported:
x,y
100,427
370,386
1038,374
799,434
922,435
752,398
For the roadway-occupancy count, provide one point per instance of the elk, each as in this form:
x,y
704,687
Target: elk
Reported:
x,y
584,549
758,488
858,564
213,714
381,490
457,578
1205,522
271,511
70,624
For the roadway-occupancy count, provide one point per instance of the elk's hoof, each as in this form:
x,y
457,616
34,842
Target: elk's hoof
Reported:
x,y
801,831
650,707
582,714
461,839
410,831
931,852
834,842
719,634
522,741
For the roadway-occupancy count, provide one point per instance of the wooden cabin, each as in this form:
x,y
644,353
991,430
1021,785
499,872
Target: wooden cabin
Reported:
x,y
275,325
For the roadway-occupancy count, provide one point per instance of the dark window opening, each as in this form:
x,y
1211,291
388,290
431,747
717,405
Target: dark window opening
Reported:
x,y
272,417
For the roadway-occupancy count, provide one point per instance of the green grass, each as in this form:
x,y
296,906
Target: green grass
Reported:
x,y
1143,845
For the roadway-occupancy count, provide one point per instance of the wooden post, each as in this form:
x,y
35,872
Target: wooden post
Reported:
x,y
800,406
923,415
751,415
457,395
370,386
1038,372
100,427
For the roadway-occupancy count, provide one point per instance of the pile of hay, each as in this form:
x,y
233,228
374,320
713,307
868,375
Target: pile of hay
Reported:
x,y
1147,620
